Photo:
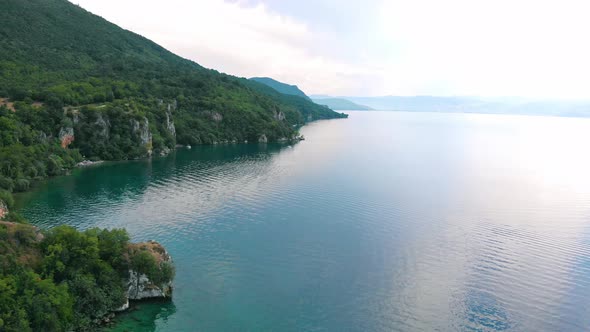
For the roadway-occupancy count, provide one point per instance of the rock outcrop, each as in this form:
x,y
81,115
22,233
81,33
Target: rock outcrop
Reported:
x,y
279,116
104,126
262,139
66,136
215,116
3,209
139,285
124,307
169,122
142,129
75,116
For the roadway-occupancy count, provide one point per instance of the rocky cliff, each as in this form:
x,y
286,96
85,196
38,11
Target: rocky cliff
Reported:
x,y
121,130
141,287
3,209
66,136
151,271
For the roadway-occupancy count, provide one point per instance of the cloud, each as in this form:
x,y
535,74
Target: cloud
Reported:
x,y
239,39
533,48
529,48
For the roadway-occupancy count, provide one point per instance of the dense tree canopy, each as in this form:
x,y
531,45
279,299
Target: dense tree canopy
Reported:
x,y
64,70
75,86
67,280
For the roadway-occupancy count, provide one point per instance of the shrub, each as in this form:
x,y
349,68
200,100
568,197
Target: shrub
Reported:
x,y
6,183
21,185
7,198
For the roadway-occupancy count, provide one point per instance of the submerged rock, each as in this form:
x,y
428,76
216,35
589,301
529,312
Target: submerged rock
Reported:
x,y
164,152
124,307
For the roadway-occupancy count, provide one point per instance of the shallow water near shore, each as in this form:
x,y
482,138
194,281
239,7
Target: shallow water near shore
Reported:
x,y
383,221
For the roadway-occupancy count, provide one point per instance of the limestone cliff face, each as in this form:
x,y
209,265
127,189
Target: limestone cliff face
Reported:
x,y
142,129
66,136
214,116
3,209
169,122
139,285
104,126
279,116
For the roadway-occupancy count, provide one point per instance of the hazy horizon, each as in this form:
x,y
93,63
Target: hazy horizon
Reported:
x,y
533,49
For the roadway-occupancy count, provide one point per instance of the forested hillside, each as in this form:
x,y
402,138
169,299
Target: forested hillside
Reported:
x,y
281,87
75,86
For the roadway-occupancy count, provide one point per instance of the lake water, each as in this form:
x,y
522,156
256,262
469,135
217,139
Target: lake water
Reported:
x,y
381,222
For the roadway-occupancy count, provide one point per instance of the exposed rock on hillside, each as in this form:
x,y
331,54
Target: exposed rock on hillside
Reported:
x,y
103,126
169,122
142,129
279,116
151,271
66,136
3,209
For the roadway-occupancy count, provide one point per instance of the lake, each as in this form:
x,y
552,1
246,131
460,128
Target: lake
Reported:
x,y
384,221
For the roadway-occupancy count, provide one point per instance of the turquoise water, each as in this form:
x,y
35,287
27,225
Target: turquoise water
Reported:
x,y
384,221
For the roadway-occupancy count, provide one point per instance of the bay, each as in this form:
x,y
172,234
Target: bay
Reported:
x,y
384,221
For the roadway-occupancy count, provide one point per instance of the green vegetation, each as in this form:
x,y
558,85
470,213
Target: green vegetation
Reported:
x,y
27,150
281,87
64,279
75,86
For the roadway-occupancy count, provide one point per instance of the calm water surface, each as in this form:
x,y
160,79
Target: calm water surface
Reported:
x,y
385,221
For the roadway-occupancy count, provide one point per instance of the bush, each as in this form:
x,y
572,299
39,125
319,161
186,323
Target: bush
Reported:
x,y
21,185
7,198
6,183
15,217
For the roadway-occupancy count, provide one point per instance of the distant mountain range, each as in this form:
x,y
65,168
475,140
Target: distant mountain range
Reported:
x,y
281,87
506,105
340,104
331,102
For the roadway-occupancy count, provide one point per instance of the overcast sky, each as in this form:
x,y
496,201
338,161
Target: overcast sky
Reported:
x,y
531,48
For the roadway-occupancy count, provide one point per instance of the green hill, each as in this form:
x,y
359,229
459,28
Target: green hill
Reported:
x,y
66,280
281,87
74,86
341,104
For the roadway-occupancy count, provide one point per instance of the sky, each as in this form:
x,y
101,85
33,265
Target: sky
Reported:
x,y
526,48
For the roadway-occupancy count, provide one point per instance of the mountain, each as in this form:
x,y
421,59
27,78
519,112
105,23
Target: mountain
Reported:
x,y
74,86
58,54
281,87
520,106
340,104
